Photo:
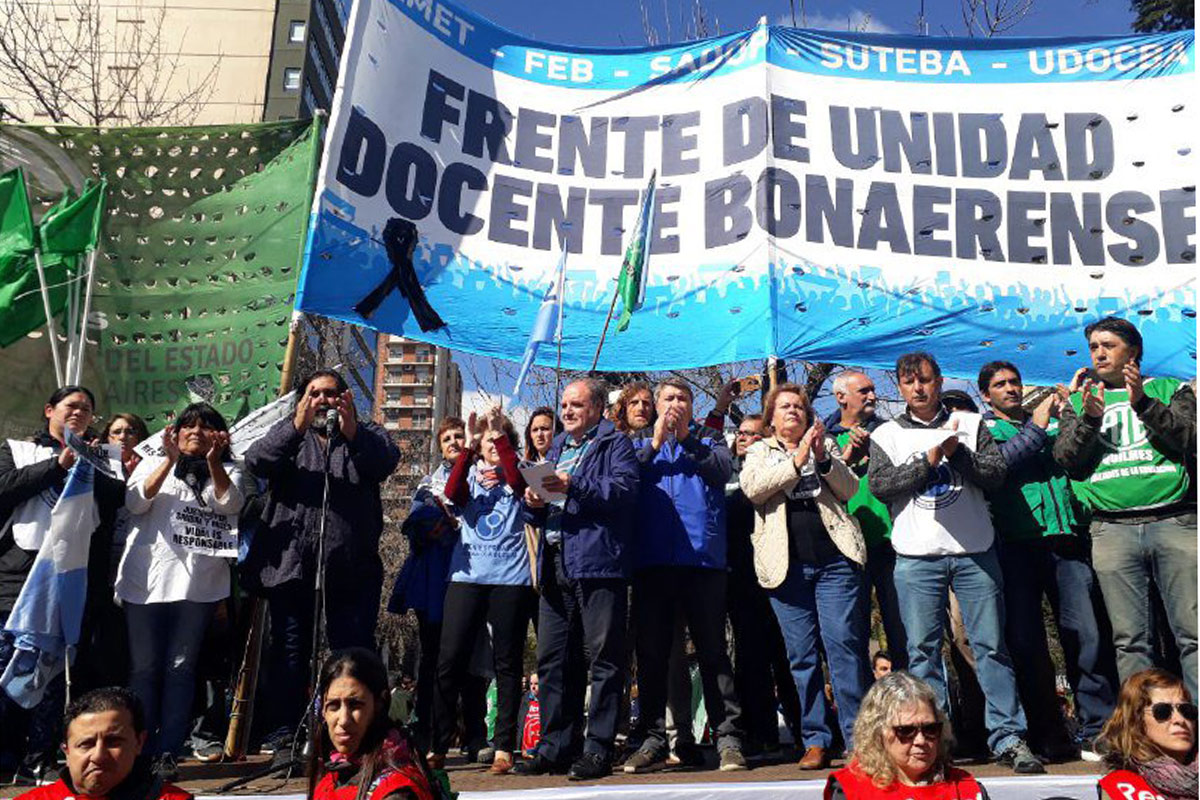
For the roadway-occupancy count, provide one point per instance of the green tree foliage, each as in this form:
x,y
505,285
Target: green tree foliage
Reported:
x,y
1159,16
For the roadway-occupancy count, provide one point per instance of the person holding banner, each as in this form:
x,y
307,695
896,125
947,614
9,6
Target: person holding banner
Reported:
x,y
932,468
175,570
809,554
323,434
32,476
1127,439
490,583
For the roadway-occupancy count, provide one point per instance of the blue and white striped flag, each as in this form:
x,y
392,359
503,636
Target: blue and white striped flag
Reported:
x,y
46,619
547,328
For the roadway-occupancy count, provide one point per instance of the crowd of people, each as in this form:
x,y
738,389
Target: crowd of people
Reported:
x,y
634,538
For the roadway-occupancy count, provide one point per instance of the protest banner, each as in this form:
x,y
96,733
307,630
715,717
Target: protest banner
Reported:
x,y
197,263
827,196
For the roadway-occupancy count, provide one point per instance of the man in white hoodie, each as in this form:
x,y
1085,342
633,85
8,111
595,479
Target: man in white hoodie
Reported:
x,y
932,468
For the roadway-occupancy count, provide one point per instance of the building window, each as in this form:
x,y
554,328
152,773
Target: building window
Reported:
x,y
296,31
291,79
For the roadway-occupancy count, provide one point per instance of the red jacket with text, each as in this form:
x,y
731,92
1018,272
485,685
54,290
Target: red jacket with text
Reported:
x,y
61,790
849,783
407,779
1125,785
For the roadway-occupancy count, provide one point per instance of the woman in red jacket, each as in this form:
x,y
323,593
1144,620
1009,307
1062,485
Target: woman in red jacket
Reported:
x,y
356,754
1150,740
901,748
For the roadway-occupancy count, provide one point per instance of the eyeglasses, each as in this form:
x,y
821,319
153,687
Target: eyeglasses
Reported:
x,y
749,434
1162,711
906,733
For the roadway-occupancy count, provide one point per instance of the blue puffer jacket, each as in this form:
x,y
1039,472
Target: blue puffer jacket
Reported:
x,y
601,500
681,510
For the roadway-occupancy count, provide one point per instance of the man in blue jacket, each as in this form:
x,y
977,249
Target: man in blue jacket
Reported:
x,y
679,563
584,569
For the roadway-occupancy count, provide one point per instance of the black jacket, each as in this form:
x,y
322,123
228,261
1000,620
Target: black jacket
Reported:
x,y
292,463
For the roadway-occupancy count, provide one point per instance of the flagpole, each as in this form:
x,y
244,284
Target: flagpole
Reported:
x,y
87,309
558,334
58,370
612,306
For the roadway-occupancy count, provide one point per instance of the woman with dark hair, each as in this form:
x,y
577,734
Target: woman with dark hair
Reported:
x,y
1149,742
127,430
490,582
175,570
32,475
540,431
356,753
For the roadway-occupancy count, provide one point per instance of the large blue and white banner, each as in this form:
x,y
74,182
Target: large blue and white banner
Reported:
x,y
837,197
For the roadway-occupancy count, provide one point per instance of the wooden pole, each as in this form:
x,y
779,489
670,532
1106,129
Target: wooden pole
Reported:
x,y
612,306
241,713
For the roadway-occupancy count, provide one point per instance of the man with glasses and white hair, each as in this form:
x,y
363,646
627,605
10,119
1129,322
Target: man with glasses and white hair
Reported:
x,y
585,573
851,426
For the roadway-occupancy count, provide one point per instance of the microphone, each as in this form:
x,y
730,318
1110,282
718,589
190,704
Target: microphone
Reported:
x,y
331,422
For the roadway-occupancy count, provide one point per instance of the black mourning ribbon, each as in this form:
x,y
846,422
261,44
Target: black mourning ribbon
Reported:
x,y
400,240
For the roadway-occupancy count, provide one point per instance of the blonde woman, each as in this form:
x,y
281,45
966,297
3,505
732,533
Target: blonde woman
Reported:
x,y
902,748
809,555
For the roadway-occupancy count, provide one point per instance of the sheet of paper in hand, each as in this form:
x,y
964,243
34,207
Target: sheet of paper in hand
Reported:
x,y
534,473
202,530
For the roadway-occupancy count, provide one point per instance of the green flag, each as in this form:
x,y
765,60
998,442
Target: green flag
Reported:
x,y
632,286
72,227
21,307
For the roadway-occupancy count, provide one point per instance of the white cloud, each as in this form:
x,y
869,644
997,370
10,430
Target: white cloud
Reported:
x,y
853,19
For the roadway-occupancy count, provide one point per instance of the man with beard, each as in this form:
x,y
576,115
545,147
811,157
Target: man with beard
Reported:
x,y
1043,553
292,457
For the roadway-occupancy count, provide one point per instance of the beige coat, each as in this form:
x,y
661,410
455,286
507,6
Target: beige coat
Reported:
x,y
767,474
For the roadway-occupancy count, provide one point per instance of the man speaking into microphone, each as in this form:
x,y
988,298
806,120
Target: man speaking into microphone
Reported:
x,y
325,433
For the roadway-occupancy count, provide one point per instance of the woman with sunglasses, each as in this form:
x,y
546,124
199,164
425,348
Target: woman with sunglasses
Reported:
x,y
902,748
1150,740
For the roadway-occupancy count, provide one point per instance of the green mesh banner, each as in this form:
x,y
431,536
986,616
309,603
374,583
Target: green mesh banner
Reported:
x,y
202,242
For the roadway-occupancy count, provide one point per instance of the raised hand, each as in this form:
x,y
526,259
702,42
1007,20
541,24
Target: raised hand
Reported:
x,y
475,430
217,442
347,414
1133,382
816,434
857,445
170,443
494,419
304,413
1093,402
1045,410
663,427
1078,379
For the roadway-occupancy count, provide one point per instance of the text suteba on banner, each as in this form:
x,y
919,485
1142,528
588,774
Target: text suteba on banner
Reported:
x,y
850,203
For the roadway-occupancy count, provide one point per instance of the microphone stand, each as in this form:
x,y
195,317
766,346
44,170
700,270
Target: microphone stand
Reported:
x,y
312,717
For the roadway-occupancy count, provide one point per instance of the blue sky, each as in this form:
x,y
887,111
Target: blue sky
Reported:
x,y
620,23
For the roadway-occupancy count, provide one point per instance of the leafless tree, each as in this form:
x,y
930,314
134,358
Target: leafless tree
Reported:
x,y
78,62
990,18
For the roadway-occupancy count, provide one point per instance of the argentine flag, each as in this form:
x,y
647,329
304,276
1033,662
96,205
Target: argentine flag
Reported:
x,y
46,619
547,327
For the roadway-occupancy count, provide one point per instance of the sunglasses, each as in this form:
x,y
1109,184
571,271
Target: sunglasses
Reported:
x,y
1162,711
906,733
